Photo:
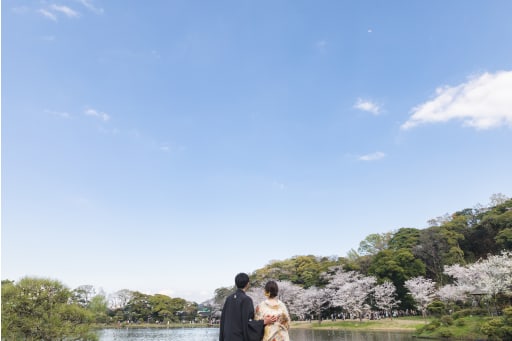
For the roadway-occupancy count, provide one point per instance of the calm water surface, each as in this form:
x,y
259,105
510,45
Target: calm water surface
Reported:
x,y
212,334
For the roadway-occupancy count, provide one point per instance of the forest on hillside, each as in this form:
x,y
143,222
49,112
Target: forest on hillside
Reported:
x,y
456,255
463,237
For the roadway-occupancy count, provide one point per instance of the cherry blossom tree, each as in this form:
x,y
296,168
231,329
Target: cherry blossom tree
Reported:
x,y
452,293
495,275
291,295
385,299
120,299
257,294
350,290
422,290
491,276
315,300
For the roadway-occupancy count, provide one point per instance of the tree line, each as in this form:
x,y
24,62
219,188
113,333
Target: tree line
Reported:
x,y
462,238
408,269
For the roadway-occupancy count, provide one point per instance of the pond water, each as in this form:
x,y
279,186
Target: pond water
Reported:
x,y
212,334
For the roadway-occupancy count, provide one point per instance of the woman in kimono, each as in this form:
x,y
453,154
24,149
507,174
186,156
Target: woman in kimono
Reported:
x,y
277,331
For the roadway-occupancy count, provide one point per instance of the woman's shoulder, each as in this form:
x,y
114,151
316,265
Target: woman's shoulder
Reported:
x,y
282,304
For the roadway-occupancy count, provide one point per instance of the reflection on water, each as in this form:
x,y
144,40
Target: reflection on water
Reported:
x,y
159,334
339,335
212,334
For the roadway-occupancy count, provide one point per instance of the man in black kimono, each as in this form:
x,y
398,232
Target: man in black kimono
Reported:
x,y
237,319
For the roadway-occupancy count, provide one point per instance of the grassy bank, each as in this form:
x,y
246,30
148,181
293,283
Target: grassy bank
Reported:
x,y
466,328
458,326
397,324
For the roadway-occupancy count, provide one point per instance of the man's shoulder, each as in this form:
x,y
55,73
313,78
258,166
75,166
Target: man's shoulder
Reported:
x,y
239,295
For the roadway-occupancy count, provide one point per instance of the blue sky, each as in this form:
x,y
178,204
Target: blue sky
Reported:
x,y
164,146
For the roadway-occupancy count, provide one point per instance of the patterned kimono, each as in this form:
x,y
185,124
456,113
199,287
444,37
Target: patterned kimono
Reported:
x,y
278,331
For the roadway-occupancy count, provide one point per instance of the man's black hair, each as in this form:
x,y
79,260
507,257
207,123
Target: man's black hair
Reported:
x,y
241,280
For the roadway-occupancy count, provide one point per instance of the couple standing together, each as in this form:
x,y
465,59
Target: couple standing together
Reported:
x,y
239,321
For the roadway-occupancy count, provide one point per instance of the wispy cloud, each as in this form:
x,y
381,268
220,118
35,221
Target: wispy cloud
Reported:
x,y
483,102
53,11
47,14
90,6
170,148
367,105
372,157
70,13
101,115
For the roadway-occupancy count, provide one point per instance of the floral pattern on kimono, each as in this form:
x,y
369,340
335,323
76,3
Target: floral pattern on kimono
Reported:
x,y
277,331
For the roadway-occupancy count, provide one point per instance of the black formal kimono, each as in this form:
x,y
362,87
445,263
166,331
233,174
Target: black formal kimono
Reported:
x,y
237,319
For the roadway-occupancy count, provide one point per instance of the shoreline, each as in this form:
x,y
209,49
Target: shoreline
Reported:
x,y
384,325
391,325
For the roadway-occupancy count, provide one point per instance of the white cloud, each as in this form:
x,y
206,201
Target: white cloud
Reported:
x,y
48,14
366,105
483,102
372,157
70,13
101,115
89,5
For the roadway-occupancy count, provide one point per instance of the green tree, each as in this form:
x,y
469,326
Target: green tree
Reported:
x,y
405,238
165,308
438,247
374,243
83,294
490,234
221,294
301,270
98,306
397,267
504,239
41,309
139,308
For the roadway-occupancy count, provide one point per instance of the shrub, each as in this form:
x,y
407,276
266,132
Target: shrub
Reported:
x,y
437,308
499,328
447,320
469,312
432,325
445,333
492,328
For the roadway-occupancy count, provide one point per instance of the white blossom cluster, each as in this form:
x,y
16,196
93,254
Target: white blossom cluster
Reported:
x,y
349,290
484,278
489,277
